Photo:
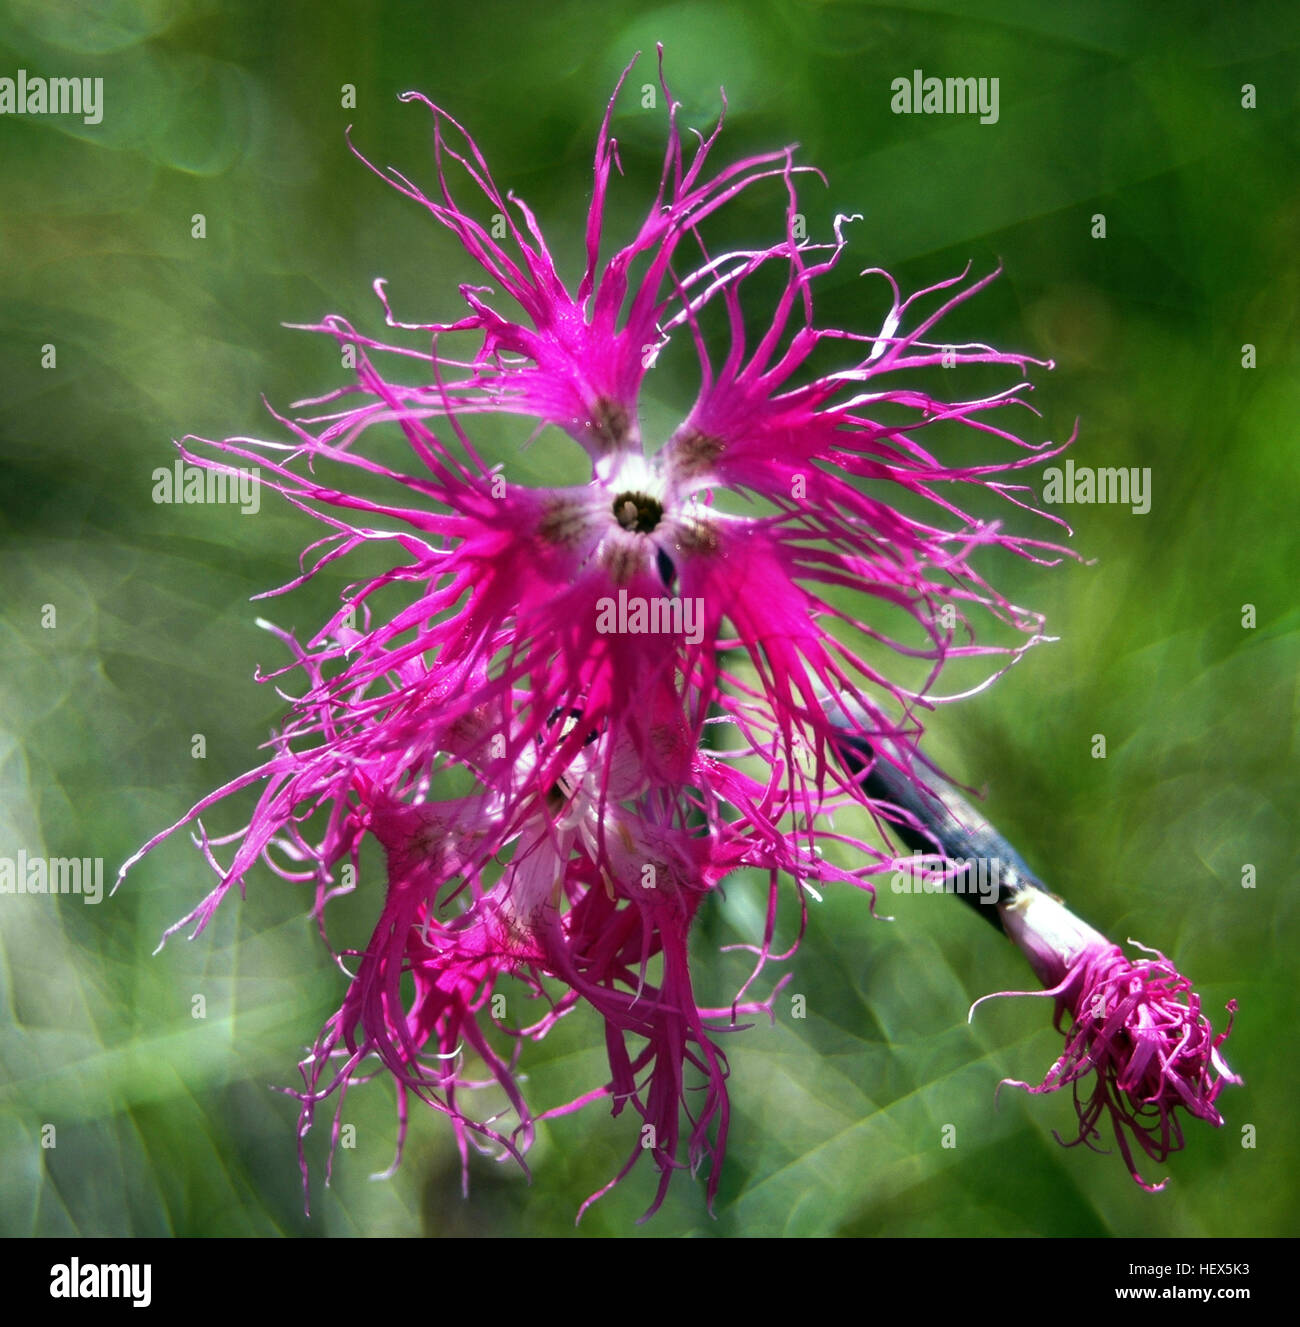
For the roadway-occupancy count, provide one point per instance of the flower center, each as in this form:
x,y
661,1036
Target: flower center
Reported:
x,y
637,513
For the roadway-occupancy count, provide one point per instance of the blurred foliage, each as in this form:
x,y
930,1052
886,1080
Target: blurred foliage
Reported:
x,y
166,1123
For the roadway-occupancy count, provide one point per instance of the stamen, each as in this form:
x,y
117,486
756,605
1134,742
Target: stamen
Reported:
x,y
637,512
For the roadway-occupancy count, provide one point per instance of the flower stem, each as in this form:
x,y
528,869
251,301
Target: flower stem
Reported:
x,y
932,816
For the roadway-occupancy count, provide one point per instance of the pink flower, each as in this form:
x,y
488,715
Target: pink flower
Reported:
x,y
1136,1024
561,651
535,572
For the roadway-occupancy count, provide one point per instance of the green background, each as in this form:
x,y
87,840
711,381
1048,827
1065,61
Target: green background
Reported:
x,y
165,1123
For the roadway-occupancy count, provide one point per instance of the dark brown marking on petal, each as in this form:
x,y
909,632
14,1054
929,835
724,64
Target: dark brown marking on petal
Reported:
x,y
609,424
694,453
561,522
696,535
